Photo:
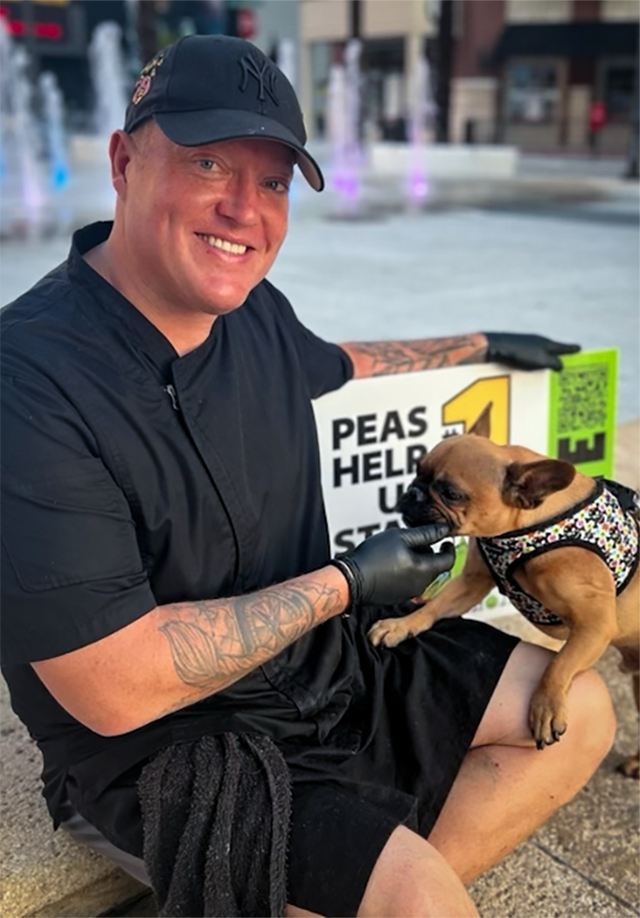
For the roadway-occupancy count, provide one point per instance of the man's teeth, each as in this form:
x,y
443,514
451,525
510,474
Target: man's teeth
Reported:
x,y
226,246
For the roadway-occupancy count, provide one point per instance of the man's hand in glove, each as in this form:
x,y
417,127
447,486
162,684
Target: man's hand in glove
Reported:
x,y
396,565
526,352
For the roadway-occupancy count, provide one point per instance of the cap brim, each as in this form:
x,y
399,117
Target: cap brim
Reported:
x,y
190,129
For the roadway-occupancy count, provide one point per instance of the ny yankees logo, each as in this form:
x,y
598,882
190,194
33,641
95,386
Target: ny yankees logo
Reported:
x,y
264,74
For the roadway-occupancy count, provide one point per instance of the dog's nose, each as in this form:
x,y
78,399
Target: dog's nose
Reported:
x,y
413,496
416,494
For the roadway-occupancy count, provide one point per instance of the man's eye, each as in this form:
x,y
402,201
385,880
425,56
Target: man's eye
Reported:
x,y
276,185
207,164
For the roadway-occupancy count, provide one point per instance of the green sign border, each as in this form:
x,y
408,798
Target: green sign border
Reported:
x,y
587,445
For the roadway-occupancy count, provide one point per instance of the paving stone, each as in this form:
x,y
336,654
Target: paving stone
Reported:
x,y
593,841
531,884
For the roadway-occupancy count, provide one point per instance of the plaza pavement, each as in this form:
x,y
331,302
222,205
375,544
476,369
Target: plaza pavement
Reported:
x,y
555,252
548,252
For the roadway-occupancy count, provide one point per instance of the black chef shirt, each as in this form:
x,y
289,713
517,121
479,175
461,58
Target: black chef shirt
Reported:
x,y
133,477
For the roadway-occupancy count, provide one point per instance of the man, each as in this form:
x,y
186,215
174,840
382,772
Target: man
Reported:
x,y
166,569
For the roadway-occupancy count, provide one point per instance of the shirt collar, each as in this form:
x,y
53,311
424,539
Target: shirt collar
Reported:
x,y
121,310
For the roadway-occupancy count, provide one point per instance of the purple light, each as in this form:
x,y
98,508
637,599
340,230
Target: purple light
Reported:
x,y
346,184
418,187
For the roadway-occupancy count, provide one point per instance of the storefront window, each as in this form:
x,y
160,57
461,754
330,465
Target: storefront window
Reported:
x,y
532,92
618,91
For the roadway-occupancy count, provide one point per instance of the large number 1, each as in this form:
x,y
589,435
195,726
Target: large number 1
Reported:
x,y
467,406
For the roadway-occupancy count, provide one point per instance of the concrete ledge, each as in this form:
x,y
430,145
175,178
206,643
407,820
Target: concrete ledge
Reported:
x,y
44,874
88,149
445,161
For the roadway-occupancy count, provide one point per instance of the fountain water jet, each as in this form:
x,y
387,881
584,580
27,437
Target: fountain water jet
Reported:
x,y
26,145
53,109
5,65
344,123
421,112
286,58
108,77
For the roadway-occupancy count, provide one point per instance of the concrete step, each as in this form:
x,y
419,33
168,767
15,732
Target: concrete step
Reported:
x,y
44,874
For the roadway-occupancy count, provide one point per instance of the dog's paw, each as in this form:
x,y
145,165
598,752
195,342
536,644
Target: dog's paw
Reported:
x,y
630,767
389,631
547,718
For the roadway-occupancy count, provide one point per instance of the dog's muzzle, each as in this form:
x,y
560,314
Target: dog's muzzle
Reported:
x,y
417,507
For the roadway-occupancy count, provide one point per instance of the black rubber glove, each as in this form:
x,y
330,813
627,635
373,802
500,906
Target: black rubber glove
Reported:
x,y
526,352
396,565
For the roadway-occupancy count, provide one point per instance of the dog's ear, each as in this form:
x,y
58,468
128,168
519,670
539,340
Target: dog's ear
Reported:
x,y
481,427
526,484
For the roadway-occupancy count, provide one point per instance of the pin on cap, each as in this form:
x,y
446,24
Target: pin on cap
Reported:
x,y
209,88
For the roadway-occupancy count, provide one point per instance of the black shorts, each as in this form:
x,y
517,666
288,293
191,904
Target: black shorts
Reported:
x,y
425,702
391,760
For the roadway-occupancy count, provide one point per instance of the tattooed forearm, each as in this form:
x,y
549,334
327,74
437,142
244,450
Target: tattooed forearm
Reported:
x,y
215,642
379,358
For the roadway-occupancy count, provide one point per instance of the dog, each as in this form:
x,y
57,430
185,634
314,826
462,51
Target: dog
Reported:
x,y
562,546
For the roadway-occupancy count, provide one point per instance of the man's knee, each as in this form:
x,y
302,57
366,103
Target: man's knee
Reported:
x,y
411,878
590,713
592,719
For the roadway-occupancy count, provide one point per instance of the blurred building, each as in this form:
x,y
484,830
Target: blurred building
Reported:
x,y
535,73
277,21
393,34
57,34
523,72
545,75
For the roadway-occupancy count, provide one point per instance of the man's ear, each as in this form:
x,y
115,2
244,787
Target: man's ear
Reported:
x,y
121,151
526,484
481,427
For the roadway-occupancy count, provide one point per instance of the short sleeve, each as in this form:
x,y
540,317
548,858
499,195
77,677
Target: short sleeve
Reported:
x,y
327,366
71,567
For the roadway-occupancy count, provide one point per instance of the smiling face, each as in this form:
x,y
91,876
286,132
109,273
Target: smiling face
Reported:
x,y
197,228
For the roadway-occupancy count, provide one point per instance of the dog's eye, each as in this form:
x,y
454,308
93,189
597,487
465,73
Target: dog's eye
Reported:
x,y
449,493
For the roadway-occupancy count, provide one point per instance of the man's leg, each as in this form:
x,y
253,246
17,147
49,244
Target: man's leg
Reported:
x,y
505,790
411,879
506,787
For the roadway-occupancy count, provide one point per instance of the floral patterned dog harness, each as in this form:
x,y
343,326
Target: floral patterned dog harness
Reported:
x,y
605,523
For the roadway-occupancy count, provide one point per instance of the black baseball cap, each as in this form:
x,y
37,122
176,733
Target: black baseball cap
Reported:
x,y
206,88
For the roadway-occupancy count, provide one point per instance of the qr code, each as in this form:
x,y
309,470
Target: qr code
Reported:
x,y
583,398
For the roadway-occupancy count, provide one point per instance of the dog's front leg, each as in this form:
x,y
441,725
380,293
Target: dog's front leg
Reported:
x,y
579,588
548,711
454,599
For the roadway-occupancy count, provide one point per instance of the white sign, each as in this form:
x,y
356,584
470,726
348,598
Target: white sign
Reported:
x,y
373,432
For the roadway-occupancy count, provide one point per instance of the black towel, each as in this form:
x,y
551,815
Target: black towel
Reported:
x,y
216,820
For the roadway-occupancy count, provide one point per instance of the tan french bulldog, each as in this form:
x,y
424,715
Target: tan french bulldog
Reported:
x,y
562,546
